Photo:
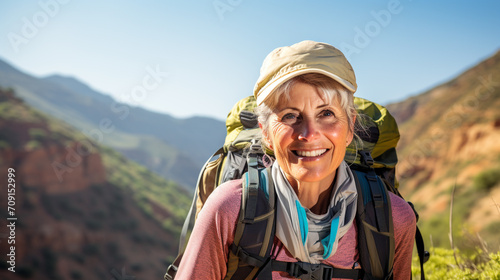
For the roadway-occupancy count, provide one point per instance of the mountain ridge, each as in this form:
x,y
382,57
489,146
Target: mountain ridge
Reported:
x,y
72,83
122,126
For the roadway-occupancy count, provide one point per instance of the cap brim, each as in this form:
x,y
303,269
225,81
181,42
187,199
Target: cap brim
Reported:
x,y
266,91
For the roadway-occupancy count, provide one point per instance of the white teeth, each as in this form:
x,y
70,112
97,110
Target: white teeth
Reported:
x,y
314,153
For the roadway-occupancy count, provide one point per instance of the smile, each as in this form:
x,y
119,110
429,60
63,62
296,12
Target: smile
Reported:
x,y
313,153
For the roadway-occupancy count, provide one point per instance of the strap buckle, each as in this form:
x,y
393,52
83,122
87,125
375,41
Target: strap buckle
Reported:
x,y
303,270
171,271
366,157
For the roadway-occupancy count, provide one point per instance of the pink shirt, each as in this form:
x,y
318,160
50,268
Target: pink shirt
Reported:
x,y
207,251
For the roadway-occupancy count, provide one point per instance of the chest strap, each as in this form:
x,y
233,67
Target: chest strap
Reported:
x,y
302,270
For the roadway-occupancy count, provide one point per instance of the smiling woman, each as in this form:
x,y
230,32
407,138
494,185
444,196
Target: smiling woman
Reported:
x,y
306,114
309,131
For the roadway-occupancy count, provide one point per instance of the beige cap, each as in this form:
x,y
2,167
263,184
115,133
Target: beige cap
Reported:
x,y
305,57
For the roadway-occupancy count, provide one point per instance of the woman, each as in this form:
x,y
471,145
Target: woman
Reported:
x,y
307,115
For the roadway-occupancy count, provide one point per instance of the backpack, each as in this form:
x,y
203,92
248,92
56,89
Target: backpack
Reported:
x,y
242,156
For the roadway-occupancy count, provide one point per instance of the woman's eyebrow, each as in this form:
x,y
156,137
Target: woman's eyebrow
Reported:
x,y
297,109
288,108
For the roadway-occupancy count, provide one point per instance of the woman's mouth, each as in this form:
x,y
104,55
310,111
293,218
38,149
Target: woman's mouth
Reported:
x,y
311,153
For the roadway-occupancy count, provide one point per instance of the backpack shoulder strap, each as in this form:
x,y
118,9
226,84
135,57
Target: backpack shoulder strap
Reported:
x,y
255,228
376,244
375,226
377,220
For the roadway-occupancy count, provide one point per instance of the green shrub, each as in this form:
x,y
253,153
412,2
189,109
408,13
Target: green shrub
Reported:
x,y
112,248
97,188
4,144
78,258
486,180
90,249
127,225
32,145
93,224
99,214
67,206
490,234
142,238
75,274
37,134
136,267
442,265
493,227
170,226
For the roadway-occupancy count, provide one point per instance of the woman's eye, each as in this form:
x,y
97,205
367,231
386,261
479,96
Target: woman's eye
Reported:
x,y
290,118
327,113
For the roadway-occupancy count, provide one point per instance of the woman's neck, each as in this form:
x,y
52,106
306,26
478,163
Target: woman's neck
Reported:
x,y
314,196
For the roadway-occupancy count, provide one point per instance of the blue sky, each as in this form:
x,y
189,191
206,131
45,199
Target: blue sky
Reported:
x,y
189,58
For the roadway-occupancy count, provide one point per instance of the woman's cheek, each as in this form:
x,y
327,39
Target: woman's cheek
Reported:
x,y
281,137
279,132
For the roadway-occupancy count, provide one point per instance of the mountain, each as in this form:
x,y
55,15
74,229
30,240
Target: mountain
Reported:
x,y
72,84
174,148
79,210
449,143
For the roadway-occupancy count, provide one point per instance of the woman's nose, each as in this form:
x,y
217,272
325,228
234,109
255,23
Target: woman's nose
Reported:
x,y
308,130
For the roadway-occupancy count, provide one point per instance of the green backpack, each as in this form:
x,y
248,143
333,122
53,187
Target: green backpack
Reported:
x,y
242,156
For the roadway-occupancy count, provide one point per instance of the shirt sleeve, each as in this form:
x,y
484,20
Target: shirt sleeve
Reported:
x,y
208,247
404,235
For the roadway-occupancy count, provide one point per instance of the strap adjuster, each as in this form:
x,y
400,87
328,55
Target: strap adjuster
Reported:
x,y
171,271
246,257
303,270
366,157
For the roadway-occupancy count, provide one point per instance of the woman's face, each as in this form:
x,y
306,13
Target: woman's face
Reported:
x,y
308,135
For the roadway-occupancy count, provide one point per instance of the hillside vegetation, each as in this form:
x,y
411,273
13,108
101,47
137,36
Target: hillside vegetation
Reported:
x,y
84,211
